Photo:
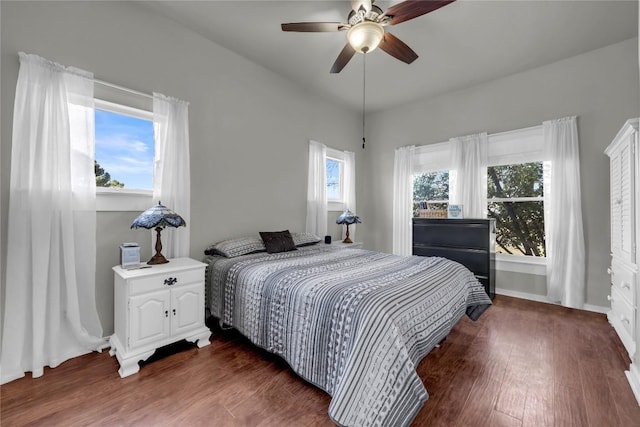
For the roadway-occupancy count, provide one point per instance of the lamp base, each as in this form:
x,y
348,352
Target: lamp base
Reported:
x,y
346,236
157,259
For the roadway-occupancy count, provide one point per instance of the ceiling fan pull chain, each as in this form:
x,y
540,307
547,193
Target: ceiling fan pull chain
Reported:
x,y
364,91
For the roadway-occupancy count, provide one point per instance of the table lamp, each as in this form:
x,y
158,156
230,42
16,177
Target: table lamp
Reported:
x,y
347,217
158,217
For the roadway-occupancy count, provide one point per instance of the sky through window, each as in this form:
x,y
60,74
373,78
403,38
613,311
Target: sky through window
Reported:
x,y
124,148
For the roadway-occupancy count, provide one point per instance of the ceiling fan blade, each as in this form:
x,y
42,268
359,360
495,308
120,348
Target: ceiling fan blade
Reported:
x,y
314,27
397,48
410,9
357,4
344,57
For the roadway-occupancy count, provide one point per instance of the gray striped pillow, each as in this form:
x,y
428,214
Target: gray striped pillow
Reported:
x,y
305,239
232,248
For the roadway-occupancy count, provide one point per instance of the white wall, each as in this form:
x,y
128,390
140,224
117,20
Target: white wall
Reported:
x,y
249,128
601,87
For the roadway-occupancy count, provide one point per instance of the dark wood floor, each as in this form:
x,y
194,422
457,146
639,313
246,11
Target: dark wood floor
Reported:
x,y
522,364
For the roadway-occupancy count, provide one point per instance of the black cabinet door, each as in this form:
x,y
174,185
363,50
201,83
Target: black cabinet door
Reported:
x,y
471,242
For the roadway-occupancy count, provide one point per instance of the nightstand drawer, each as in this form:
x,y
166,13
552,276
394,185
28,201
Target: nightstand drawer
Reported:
x,y
165,281
624,280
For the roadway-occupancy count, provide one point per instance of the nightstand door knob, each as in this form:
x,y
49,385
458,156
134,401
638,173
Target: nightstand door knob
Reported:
x,y
170,281
174,311
166,313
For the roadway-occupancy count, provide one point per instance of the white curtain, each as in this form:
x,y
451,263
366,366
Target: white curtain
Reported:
x,y
50,314
468,175
317,190
403,199
563,214
172,177
350,191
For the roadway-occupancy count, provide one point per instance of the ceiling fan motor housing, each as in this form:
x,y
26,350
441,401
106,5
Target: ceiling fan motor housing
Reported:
x,y
363,15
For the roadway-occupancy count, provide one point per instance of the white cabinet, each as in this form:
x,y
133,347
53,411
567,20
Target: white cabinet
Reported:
x,y
156,306
624,155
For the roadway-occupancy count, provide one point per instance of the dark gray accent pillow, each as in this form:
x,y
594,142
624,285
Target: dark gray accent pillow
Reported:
x,y
278,241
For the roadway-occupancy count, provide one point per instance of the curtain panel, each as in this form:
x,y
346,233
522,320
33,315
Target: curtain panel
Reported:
x,y
563,214
350,191
172,174
50,314
317,190
403,199
468,175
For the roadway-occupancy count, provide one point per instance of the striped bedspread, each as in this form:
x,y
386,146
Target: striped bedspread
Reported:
x,y
355,323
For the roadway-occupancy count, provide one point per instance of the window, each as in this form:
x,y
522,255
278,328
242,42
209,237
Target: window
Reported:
x,y
515,193
124,149
124,156
335,179
431,177
515,199
430,191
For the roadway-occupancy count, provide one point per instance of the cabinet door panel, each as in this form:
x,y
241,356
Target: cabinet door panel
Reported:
x,y
623,202
616,203
475,260
187,304
150,321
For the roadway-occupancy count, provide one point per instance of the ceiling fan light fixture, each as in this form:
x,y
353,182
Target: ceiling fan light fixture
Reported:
x,y
365,36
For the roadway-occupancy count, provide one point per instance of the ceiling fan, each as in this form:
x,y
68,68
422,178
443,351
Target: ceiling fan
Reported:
x,y
365,28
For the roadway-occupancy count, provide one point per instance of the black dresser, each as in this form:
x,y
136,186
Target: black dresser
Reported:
x,y
471,242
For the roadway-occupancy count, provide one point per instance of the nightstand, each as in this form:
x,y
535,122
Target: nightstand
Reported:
x,y
339,244
155,306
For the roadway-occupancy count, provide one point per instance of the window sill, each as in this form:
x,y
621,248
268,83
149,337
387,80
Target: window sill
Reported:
x,y
335,206
116,199
521,264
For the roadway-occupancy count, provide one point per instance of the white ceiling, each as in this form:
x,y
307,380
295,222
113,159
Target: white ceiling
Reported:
x,y
459,45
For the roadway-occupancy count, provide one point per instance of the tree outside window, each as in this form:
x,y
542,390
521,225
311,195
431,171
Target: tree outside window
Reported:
x,y
431,188
515,200
103,178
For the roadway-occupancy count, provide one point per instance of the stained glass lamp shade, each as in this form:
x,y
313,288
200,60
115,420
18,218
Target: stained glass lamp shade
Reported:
x,y
158,217
347,217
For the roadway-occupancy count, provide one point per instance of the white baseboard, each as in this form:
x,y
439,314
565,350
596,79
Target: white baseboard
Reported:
x,y
633,375
542,298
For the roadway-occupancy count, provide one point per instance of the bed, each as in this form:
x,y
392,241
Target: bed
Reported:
x,y
353,322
